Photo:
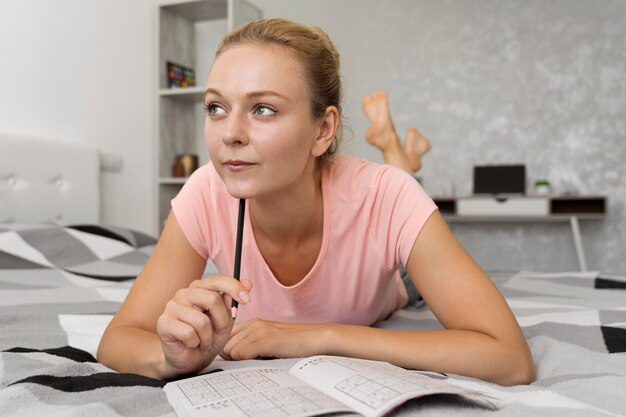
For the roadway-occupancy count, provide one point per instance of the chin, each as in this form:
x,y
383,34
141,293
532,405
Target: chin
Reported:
x,y
236,187
239,191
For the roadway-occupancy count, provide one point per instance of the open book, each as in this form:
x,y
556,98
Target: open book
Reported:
x,y
313,386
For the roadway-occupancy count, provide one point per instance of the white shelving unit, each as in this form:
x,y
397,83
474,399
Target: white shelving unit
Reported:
x,y
187,33
189,93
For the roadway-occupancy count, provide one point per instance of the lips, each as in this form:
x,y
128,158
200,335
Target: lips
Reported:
x,y
237,165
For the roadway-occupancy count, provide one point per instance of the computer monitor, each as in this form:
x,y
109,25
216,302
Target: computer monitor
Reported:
x,y
500,179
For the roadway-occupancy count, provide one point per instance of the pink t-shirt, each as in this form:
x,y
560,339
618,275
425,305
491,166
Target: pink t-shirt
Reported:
x,y
372,216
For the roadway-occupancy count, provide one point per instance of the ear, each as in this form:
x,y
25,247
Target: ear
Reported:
x,y
328,128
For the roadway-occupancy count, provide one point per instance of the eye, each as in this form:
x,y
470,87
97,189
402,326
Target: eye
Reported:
x,y
264,111
213,109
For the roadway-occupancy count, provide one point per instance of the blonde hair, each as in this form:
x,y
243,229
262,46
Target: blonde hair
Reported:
x,y
317,53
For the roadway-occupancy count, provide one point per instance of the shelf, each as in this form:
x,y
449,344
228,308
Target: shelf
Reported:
x,y
522,219
192,94
582,205
561,208
187,32
197,11
172,180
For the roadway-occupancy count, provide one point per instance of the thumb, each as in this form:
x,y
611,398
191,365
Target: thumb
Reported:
x,y
247,284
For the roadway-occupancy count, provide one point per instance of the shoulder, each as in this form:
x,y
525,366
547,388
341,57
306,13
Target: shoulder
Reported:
x,y
378,186
202,208
204,192
350,174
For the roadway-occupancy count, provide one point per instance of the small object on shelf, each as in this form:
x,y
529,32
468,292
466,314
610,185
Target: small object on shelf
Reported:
x,y
184,165
183,49
178,170
179,76
542,187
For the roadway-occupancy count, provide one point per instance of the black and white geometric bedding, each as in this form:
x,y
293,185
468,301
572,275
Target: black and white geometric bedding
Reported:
x,y
59,287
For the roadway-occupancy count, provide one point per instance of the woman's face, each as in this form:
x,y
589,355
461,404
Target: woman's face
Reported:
x,y
259,129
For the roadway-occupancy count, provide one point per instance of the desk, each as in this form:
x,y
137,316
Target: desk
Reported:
x,y
560,209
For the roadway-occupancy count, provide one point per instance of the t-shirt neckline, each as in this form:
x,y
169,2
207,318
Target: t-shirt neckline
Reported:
x,y
323,247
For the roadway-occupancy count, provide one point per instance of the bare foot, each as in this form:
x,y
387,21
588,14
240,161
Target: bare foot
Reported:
x,y
415,147
381,132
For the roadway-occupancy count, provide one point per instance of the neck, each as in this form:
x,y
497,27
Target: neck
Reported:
x,y
291,216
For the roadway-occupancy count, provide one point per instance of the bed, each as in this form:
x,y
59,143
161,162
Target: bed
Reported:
x,y
63,275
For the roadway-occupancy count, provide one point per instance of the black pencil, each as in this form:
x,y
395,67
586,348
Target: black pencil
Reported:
x,y
242,211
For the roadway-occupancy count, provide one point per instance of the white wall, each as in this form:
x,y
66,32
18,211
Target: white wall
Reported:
x,y
81,71
530,81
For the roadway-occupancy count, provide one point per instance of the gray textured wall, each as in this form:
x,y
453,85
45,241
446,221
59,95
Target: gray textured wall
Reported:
x,y
541,82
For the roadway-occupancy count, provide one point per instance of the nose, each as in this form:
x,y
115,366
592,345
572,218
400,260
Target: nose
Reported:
x,y
235,130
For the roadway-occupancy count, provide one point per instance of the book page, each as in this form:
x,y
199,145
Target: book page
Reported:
x,y
372,388
248,392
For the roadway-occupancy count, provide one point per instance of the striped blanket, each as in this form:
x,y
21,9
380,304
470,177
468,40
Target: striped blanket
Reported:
x,y
59,287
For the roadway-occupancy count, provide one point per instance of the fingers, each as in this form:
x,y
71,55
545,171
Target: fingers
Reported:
x,y
229,287
210,320
238,334
248,339
200,312
173,330
261,338
247,284
190,325
226,285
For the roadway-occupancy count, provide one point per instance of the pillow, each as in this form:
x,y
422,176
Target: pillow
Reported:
x,y
90,250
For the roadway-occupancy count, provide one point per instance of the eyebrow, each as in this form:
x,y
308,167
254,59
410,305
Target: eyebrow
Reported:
x,y
252,94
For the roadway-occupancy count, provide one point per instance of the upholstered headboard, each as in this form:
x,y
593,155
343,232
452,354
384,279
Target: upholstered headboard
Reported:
x,y
47,181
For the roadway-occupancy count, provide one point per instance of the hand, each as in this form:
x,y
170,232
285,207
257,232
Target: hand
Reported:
x,y
259,338
197,323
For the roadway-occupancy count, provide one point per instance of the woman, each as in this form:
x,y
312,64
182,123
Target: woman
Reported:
x,y
324,237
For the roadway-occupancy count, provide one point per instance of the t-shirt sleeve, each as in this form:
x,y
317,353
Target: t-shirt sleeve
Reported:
x,y
190,207
404,207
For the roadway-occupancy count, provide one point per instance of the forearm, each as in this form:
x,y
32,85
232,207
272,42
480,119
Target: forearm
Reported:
x,y
460,352
133,350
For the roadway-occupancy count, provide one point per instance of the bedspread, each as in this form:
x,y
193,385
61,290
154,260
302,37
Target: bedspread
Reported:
x,y
59,287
